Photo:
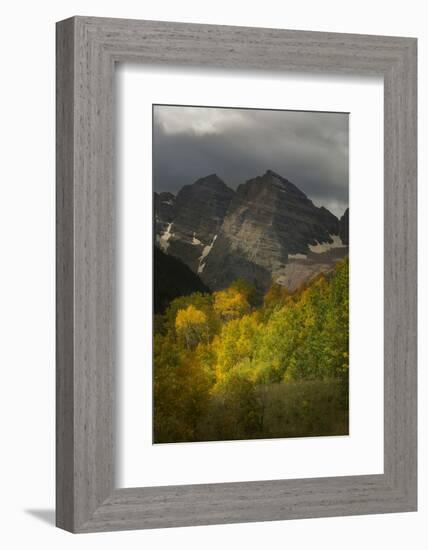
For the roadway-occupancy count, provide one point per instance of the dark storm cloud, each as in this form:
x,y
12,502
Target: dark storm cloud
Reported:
x,y
310,149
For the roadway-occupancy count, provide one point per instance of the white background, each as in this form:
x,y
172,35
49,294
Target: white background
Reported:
x,y
27,272
362,451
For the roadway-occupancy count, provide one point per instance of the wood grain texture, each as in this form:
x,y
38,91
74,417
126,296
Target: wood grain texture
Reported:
x,y
64,276
87,49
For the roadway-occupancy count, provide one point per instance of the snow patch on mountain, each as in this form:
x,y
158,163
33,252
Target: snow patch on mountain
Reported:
x,y
164,238
319,248
207,249
169,202
195,241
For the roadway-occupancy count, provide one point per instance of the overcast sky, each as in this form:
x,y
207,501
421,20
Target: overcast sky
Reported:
x,y
308,148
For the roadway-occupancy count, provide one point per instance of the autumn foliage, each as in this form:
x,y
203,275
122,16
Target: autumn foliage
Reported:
x,y
227,368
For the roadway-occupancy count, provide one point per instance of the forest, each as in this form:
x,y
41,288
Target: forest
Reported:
x,y
234,365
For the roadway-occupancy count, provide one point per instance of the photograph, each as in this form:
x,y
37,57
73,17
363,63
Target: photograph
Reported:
x,y
251,283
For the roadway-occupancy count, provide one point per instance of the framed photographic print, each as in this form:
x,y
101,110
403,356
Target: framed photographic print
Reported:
x,y
236,274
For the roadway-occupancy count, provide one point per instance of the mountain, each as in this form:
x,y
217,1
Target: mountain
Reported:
x,y
269,222
164,213
172,279
189,230
201,208
344,227
267,230
164,205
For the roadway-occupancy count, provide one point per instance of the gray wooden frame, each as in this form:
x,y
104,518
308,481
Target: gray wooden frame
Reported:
x,y
87,50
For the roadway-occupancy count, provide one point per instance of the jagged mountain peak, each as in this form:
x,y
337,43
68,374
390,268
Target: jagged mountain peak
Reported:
x,y
211,181
275,176
273,181
270,172
324,209
210,186
329,220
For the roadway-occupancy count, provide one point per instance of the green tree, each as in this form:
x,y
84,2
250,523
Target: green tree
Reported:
x,y
191,326
231,303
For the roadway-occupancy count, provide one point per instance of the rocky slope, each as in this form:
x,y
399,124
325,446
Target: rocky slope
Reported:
x,y
270,222
267,230
344,227
188,231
